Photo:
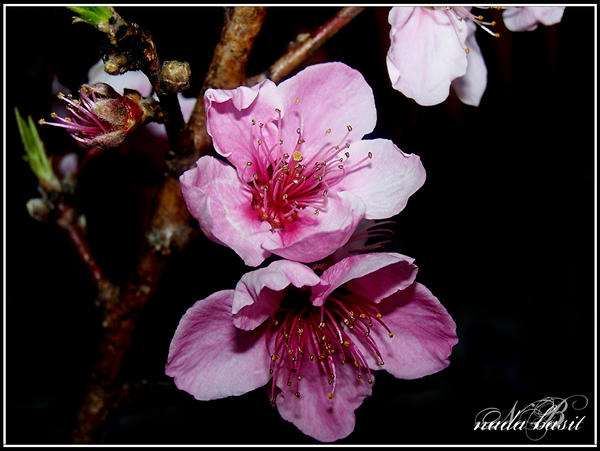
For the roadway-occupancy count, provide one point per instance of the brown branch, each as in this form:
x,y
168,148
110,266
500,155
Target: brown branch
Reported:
x,y
227,70
292,59
169,231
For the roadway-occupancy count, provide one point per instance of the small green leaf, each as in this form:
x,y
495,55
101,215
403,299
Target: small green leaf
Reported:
x,y
94,15
35,153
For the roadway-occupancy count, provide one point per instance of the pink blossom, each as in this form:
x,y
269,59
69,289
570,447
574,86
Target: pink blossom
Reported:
x,y
433,48
318,339
301,176
527,18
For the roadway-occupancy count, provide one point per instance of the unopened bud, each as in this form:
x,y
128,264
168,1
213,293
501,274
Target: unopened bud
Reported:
x,y
38,209
101,118
174,76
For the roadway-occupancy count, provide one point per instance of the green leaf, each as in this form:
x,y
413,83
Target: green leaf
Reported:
x,y
94,15
35,153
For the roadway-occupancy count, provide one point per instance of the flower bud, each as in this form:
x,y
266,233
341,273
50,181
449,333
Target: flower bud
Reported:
x,y
101,118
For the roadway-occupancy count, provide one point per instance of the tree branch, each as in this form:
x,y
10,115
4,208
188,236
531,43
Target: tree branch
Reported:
x,y
227,70
292,59
169,232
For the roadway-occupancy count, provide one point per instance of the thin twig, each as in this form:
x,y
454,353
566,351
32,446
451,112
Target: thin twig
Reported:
x,y
292,59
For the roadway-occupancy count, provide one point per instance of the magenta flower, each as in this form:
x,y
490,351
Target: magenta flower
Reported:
x,y
302,177
319,340
527,18
100,118
433,48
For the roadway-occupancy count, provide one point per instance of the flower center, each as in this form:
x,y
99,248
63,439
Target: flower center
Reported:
x,y
84,125
284,183
326,336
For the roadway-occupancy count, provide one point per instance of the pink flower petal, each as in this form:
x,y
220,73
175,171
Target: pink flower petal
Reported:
x,y
259,293
425,54
229,119
527,18
313,412
374,276
216,198
312,237
328,96
210,358
471,86
424,334
385,181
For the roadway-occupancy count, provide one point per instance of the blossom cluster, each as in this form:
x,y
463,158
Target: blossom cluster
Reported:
x,y
298,180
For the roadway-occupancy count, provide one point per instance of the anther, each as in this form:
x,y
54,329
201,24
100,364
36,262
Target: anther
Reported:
x,y
391,334
467,50
370,381
297,100
297,394
347,154
297,155
249,164
328,130
370,155
325,193
41,122
253,122
330,395
349,128
316,212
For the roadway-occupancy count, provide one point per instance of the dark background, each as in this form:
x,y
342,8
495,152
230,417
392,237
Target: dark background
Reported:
x,y
502,230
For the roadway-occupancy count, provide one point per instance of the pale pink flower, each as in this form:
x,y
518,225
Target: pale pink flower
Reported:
x,y
318,339
433,48
527,18
301,177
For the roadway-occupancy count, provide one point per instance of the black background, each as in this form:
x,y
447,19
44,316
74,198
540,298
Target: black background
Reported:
x,y
502,231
